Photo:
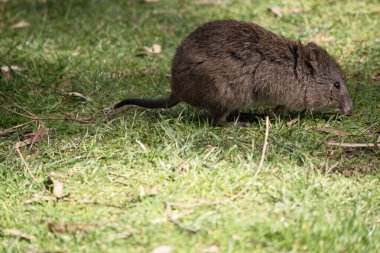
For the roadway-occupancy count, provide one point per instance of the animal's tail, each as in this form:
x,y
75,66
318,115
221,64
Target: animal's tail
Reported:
x,y
172,100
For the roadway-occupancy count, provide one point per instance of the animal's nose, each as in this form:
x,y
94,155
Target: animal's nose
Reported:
x,y
347,107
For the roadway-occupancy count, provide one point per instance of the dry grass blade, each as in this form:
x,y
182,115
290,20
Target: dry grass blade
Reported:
x,y
293,121
154,49
162,249
276,10
24,162
36,118
20,24
75,94
16,104
18,233
248,185
191,205
67,198
32,138
264,146
78,118
93,202
332,131
39,198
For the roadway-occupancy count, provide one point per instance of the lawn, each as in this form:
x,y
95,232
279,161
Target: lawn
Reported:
x,y
168,180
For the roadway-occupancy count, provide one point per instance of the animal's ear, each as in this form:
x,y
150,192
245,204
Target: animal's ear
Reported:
x,y
313,56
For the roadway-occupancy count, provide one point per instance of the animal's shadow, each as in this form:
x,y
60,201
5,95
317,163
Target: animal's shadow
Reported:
x,y
255,117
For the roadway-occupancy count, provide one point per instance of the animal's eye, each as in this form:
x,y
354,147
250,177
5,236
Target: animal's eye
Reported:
x,y
337,85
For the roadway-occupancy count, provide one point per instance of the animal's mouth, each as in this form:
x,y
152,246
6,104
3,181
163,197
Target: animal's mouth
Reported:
x,y
332,110
342,111
346,109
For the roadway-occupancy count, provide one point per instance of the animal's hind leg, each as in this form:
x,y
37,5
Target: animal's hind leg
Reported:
x,y
220,119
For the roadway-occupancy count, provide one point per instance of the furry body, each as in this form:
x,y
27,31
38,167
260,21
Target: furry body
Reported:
x,y
228,65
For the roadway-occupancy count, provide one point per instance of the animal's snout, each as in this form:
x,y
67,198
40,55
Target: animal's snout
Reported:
x,y
347,107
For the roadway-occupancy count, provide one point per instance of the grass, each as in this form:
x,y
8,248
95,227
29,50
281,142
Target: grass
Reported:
x,y
308,197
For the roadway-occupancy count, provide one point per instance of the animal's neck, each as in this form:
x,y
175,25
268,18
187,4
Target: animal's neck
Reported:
x,y
296,94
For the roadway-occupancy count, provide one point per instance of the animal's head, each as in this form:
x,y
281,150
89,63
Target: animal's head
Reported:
x,y
327,89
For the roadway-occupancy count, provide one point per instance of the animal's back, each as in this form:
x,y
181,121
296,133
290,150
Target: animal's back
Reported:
x,y
215,66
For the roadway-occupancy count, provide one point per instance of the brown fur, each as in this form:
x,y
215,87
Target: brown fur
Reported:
x,y
227,65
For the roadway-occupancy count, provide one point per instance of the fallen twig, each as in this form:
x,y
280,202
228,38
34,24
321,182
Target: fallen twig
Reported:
x,y
353,145
17,113
13,129
174,221
16,104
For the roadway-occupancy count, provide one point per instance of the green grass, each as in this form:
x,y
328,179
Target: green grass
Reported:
x,y
308,197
